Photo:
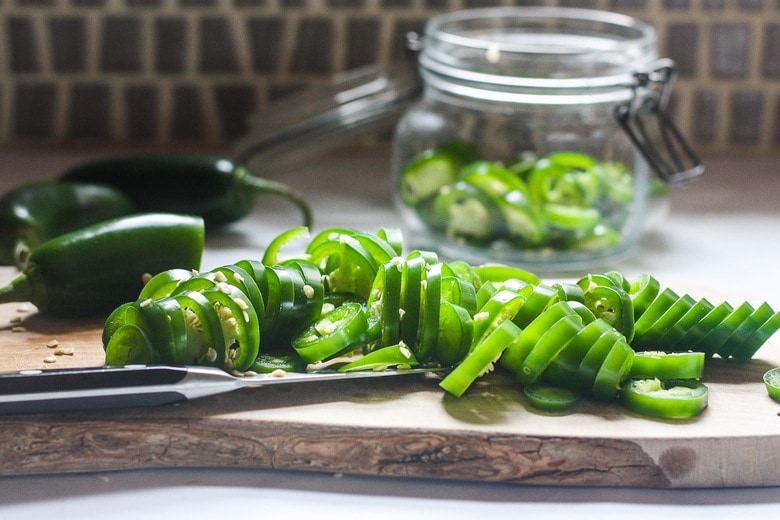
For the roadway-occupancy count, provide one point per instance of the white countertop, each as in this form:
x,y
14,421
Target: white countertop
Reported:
x,y
721,235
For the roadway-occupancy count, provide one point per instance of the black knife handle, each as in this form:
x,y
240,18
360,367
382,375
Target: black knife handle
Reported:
x,y
60,390
93,378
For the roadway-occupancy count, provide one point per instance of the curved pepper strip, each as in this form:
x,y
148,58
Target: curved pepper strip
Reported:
x,y
398,356
164,283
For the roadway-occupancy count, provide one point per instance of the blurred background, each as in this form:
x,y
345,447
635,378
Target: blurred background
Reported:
x,y
189,72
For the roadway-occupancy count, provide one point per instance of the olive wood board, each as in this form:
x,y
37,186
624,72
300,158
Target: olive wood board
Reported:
x,y
396,427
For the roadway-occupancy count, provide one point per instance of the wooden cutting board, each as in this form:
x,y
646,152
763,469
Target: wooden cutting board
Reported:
x,y
398,427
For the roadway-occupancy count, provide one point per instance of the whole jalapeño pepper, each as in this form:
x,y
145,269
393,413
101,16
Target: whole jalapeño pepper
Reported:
x,y
33,213
96,268
214,188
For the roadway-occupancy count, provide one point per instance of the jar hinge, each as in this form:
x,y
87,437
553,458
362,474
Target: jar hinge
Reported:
x,y
650,127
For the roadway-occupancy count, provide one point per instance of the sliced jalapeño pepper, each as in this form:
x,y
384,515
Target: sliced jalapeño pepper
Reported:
x,y
337,332
667,365
550,398
772,383
426,174
670,399
613,305
481,359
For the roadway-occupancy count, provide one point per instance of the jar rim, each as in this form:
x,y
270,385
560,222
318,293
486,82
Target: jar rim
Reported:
x,y
538,47
441,27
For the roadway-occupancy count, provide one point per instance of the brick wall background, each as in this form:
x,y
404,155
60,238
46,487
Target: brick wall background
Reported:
x,y
116,72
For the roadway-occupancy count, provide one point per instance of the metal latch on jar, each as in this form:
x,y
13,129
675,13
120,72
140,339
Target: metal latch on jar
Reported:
x,y
648,124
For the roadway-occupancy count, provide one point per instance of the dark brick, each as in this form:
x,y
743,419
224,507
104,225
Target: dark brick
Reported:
x,y
198,3
217,46
682,46
33,107
313,46
265,40
23,45
90,111
677,5
362,42
347,4
170,43
188,119
235,104
121,44
68,43
144,3
627,5
770,60
142,109
747,108
705,123
730,49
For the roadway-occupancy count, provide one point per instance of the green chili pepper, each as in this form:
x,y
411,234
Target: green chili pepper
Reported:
x,y
214,188
33,213
96,268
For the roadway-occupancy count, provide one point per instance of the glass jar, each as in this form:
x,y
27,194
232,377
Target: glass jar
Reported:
x,y
533,142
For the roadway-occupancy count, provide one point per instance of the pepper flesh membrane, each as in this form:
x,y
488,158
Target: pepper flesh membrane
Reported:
x,y
355,301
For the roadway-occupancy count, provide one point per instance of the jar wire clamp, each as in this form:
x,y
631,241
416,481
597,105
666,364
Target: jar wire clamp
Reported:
x,y
664,147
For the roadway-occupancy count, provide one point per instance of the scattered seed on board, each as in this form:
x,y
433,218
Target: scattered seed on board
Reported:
x,y
53,343
68,351
50,359
18,329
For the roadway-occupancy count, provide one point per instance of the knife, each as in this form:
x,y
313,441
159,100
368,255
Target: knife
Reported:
x,y
93,388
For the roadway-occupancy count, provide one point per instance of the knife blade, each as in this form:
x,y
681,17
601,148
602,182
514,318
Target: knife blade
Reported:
x,y
92,388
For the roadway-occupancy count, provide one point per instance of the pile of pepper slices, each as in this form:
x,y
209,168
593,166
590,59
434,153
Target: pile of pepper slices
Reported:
x,y
352,300
356,301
